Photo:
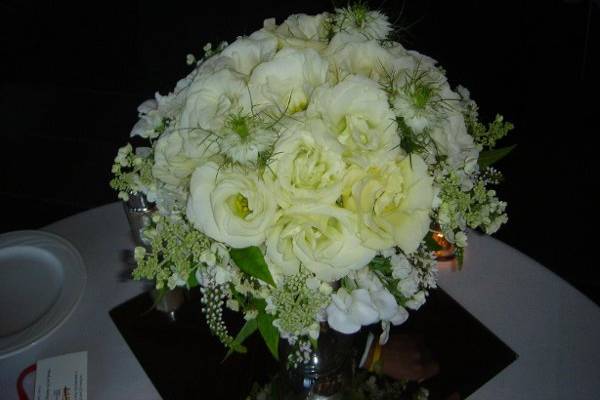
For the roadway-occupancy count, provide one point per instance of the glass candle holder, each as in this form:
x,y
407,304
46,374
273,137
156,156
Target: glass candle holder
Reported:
x,y
446,253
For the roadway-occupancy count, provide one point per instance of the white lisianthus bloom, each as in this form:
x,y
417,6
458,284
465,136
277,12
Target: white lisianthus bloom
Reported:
x,y
385,303
409,285
357,114
212,98
401,267
284,84
365,279
400,317
417,301
230,205
392,202
247,52
321,237
219,106
383,300
347,312
177,153
300,31
150,121
154,112
306,165
452,139
354,54
280,257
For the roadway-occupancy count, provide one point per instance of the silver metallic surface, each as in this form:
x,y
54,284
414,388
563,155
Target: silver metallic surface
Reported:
x,y
329,371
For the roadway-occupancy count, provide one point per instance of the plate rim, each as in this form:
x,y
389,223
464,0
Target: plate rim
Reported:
x,y
16,238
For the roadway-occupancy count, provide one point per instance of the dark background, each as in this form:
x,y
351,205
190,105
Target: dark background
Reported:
x,y
72,76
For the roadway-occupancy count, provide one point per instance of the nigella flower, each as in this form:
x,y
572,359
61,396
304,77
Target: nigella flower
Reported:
x,y
245,139
358,18
419,102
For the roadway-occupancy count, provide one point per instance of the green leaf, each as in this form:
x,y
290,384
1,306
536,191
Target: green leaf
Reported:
x,y
192,282
314,343
248,329
251,261
269,333
459,253
489,157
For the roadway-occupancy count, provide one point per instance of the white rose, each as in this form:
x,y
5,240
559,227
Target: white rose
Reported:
x,y
320,237
306,166
284,84
230,206
212,98
347,312
356,112
392,202
177,153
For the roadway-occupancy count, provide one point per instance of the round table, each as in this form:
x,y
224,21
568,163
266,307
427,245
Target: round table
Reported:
x,y
554,328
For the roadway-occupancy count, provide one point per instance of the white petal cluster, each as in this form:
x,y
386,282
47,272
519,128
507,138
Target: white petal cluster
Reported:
x,y
368,303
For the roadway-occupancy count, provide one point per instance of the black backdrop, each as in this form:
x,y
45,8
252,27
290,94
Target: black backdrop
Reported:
x,y
73,75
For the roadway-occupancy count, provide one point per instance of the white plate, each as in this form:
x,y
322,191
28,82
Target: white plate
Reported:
x,y
42,277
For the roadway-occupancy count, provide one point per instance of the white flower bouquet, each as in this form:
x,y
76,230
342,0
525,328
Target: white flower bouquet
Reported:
x,y
299,171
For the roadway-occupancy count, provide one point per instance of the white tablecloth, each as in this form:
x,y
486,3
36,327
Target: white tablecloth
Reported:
x,y
554,328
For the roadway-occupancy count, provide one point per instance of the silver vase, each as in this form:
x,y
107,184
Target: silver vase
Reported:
x,y
329,371
139,213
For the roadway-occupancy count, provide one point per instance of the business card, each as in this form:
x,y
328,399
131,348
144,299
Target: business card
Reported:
x,y
62,378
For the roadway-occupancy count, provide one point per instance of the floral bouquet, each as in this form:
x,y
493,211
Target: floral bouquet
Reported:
x,y
299,172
